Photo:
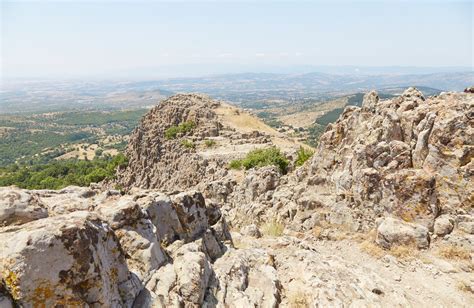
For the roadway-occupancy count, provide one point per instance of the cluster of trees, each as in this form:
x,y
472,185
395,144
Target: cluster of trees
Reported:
x,y
25,144
62,173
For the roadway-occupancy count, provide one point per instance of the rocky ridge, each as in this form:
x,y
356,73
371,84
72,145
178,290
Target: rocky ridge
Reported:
x,y
170,164
380,216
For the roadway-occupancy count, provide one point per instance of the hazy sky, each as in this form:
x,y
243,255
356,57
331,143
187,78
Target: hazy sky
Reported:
x,y
81,38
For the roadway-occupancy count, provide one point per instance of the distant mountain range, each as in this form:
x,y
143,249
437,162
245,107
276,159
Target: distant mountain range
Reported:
x,y
240,88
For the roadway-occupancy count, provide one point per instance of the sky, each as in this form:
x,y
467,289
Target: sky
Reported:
x,y
107,38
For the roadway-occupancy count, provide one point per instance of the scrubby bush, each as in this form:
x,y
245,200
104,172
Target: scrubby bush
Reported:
x,y
262,157
209,143
303,155
236,164
187,144
182,128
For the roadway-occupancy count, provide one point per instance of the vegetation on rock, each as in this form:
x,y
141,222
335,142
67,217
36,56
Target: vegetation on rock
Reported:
x,y
182,128
303,155
187,144
260,158
209,143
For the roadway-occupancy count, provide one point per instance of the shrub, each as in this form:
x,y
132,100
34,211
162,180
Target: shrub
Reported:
x,y
183,128
303,155
187,144
209,143
260,158
236,164
273,228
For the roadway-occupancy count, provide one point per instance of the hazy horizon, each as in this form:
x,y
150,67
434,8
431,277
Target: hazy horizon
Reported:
x,y
156,39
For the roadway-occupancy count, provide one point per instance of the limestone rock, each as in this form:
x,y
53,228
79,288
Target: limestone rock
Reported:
x,y
73,259
19,206
396,232
443,225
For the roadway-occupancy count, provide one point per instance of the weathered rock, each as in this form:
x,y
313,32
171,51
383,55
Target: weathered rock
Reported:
x,y
18,206
467,226
443,225
73,259
396,232
243,278
251,230
109,254
136,234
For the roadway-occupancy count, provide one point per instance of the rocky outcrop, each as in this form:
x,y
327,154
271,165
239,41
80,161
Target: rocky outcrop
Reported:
x,y
107,254
195,157
158,162
407,157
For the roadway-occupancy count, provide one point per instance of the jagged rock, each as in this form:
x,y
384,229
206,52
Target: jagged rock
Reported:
x,y
136,234
109,254
180,216
370,101
73,259
396,232
244,278
410,157
251,230
154,161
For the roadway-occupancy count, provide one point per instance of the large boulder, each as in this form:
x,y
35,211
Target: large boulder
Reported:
x,y
70,260
393,232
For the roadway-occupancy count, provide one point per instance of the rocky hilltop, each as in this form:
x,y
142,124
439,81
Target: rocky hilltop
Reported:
x,y
381,215
216,132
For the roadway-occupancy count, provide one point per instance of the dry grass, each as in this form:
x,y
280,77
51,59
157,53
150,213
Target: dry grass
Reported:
x,y
454,252
372,249
404,252
368,244
297,299
273,228
401,252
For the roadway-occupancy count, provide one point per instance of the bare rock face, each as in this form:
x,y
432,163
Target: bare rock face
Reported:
x,y
66,260
154,161
107,256
407,157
